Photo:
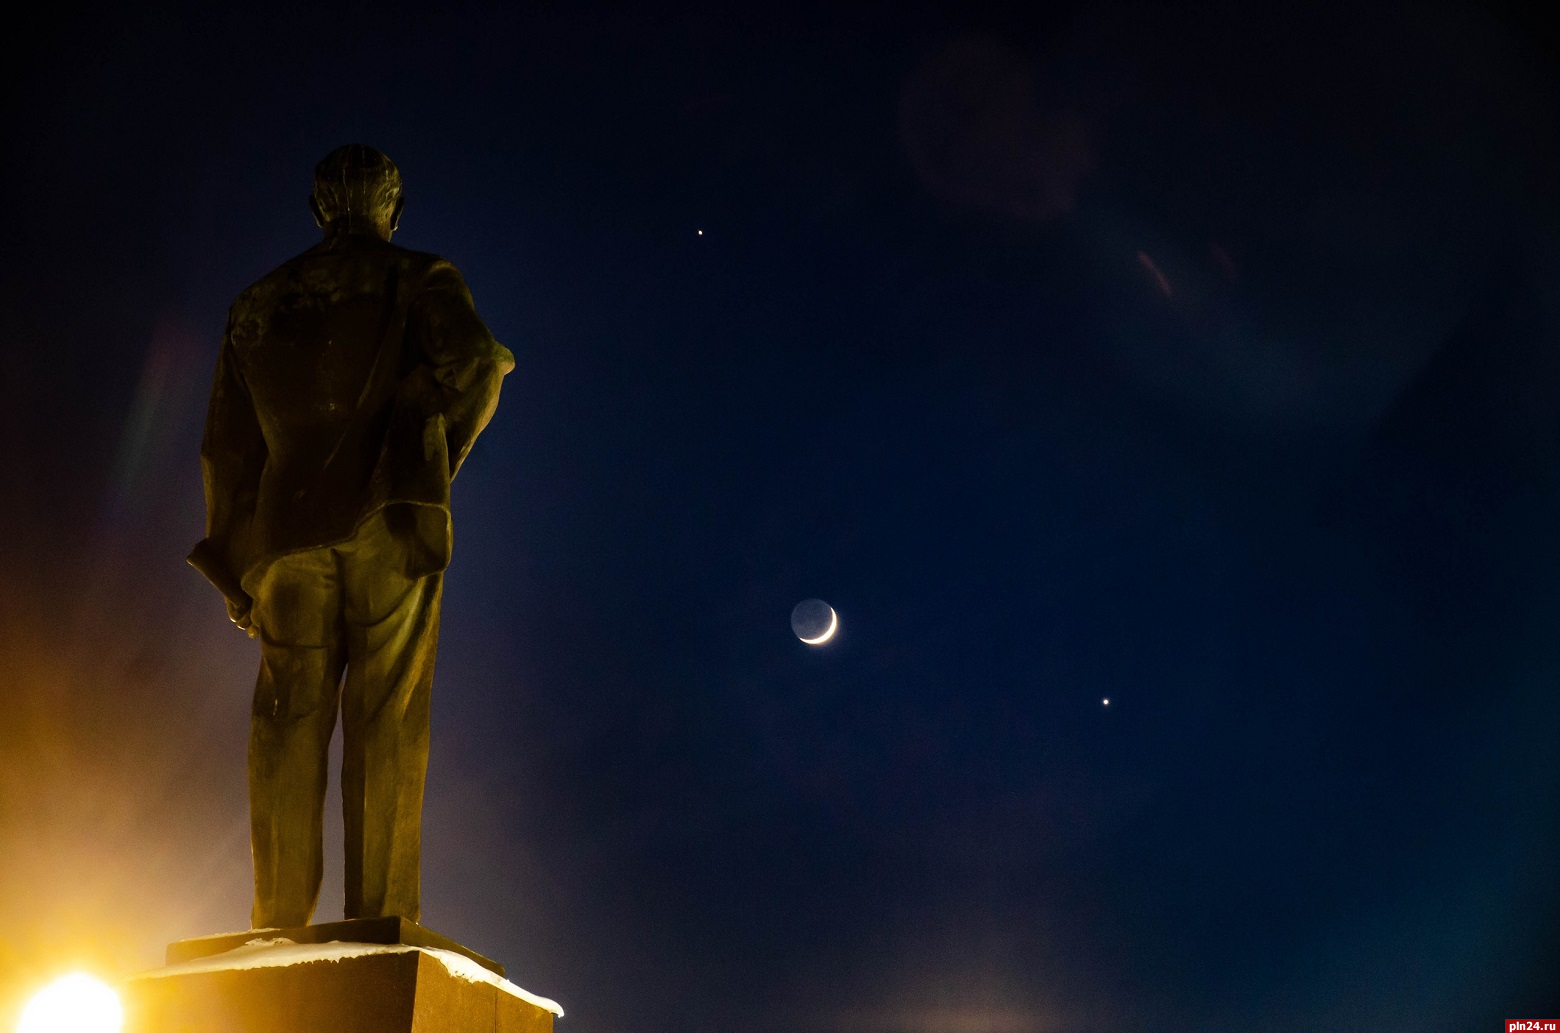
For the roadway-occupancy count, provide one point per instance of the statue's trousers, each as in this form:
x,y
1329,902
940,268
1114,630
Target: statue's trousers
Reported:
x,y
344,608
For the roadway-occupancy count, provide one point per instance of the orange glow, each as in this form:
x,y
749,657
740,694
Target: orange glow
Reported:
x,y
76,1003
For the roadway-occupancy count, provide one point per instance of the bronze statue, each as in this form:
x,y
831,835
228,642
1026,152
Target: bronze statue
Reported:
x,y
351,384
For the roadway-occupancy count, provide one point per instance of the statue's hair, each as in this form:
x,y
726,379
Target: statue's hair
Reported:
x,y
356,182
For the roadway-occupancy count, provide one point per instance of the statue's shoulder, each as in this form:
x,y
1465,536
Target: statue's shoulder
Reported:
x,y
428,263
283,279
324,270
417,267
394,254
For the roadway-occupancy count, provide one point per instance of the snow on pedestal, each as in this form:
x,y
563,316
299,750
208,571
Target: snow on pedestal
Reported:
x,y
279,986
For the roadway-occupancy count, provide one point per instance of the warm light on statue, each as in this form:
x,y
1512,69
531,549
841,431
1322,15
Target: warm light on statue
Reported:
x,y
76,1003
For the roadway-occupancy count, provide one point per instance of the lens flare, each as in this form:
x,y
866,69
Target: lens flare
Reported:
x,y
75,1003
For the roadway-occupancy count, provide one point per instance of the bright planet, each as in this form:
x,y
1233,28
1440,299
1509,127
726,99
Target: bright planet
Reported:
x,y
814,621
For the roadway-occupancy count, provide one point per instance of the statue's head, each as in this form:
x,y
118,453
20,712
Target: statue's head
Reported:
x,y
357,190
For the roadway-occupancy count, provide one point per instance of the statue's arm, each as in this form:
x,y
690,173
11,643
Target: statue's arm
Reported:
x,y
232,457
463,365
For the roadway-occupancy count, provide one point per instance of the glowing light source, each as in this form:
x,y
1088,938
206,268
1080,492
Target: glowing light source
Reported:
x,y
834,624
814,621
76,1003
1106,701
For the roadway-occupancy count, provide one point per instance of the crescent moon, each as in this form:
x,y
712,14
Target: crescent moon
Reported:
x,y
834,625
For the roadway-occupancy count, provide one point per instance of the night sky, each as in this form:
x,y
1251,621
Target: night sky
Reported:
x,y
1202,357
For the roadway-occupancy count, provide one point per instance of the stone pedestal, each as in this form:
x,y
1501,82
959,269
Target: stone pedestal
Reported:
x,y
267,982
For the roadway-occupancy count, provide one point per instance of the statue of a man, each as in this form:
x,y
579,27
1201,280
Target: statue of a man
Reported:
x,y
351,384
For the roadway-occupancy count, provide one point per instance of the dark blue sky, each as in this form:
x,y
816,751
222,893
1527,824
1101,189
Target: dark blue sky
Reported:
x,y
1203,359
